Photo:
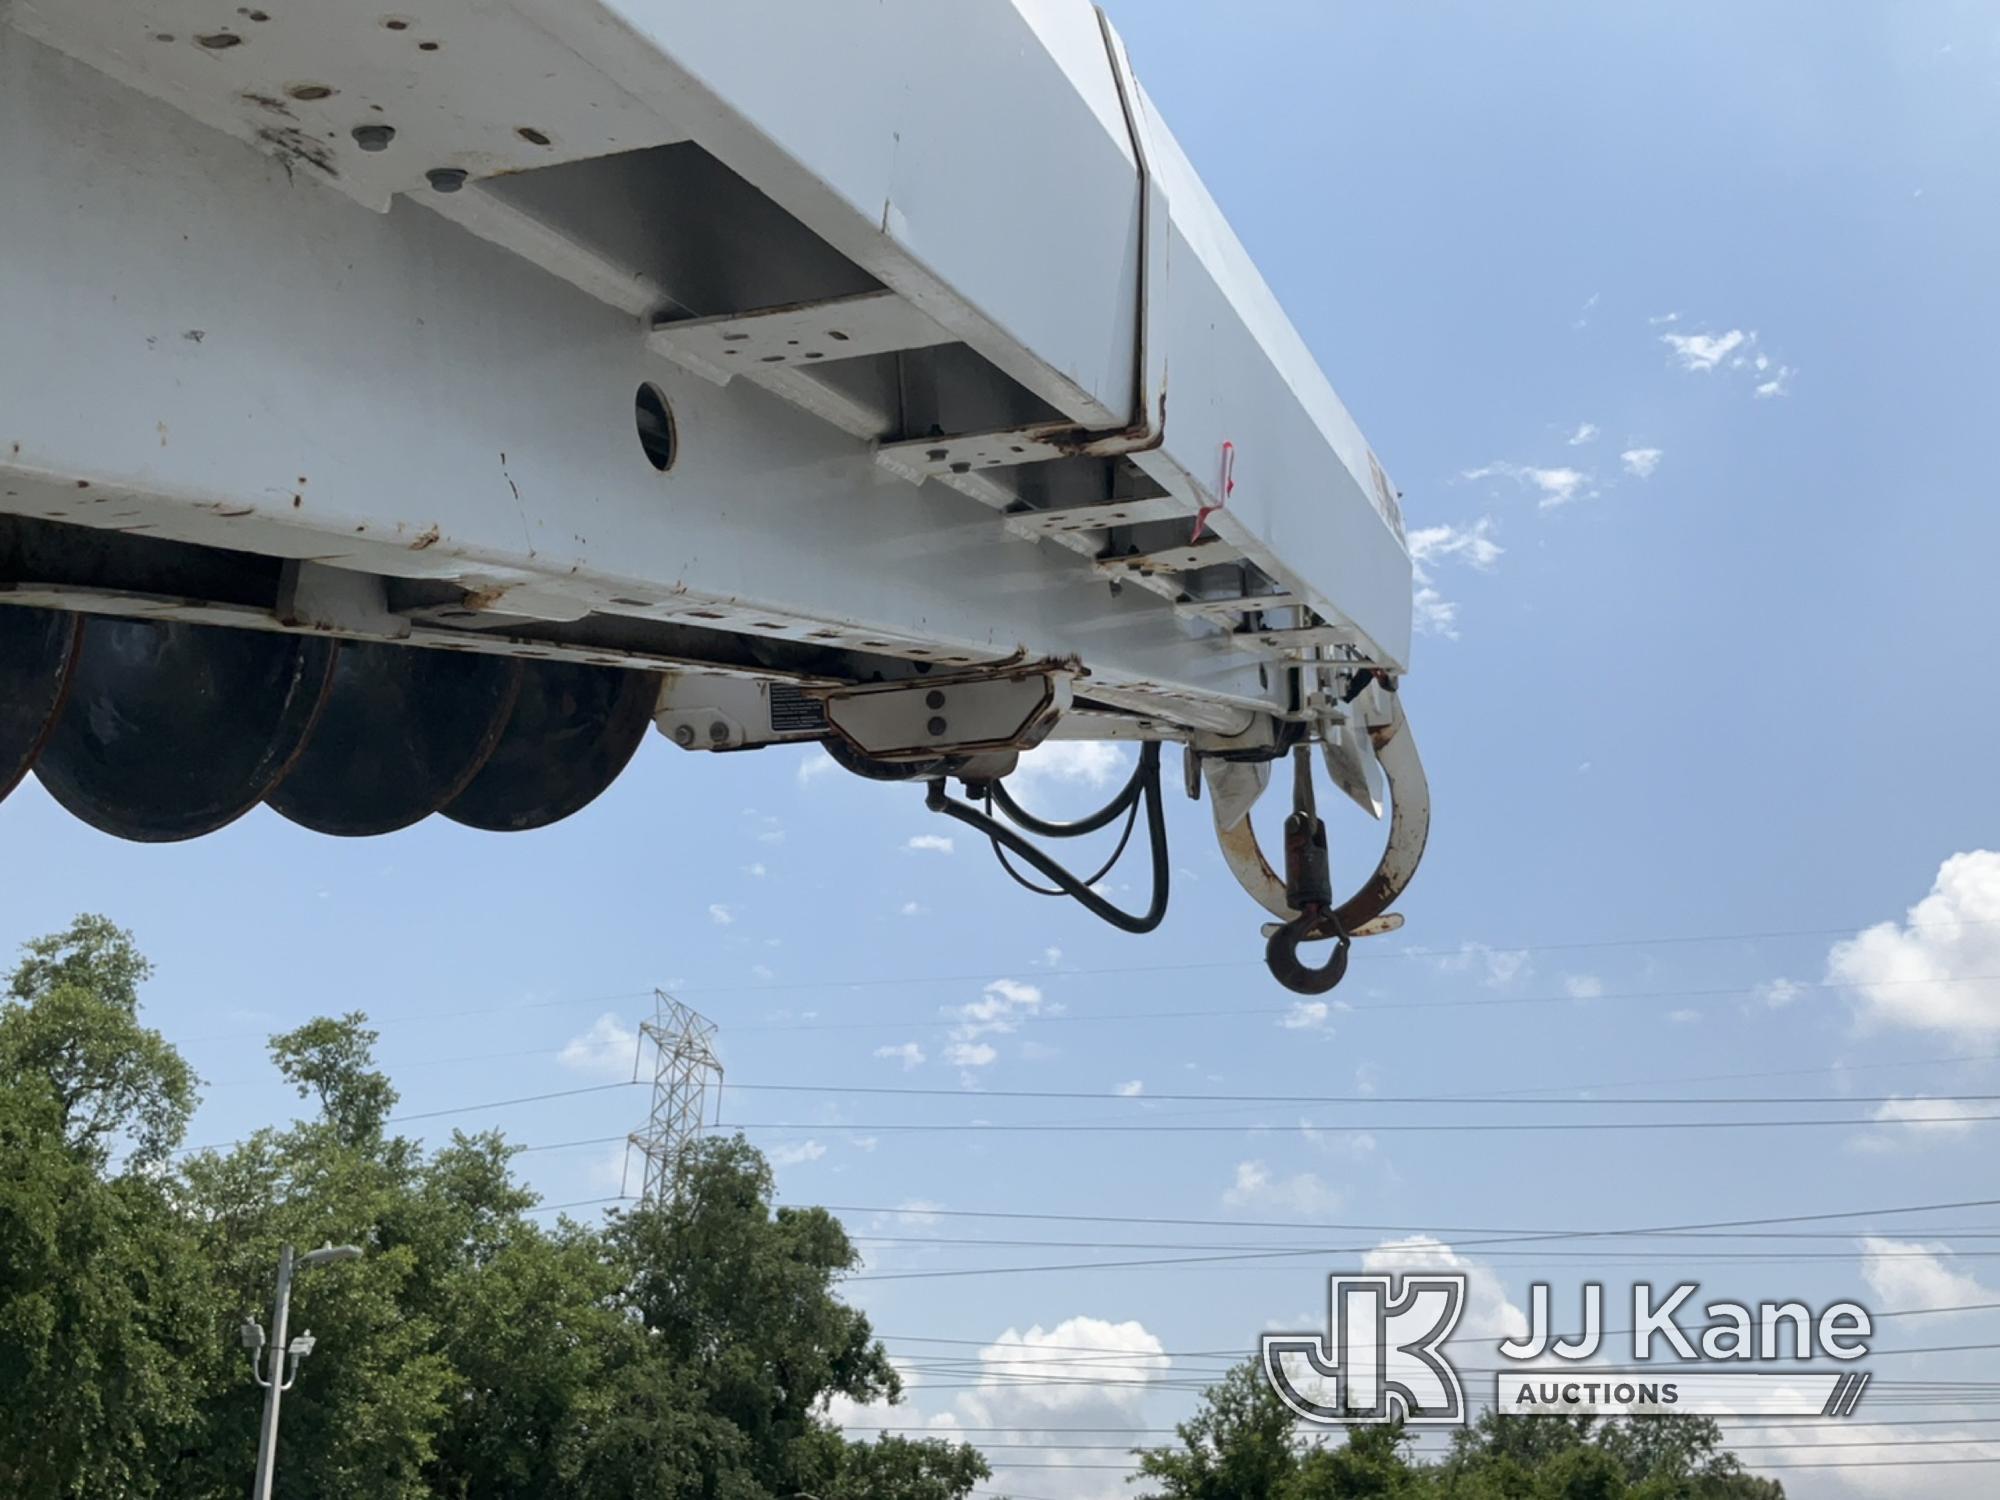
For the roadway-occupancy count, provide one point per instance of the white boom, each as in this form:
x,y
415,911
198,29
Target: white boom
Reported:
x,y
873,373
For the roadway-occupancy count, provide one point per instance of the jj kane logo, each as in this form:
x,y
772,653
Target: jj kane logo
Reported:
x,y
1383,1359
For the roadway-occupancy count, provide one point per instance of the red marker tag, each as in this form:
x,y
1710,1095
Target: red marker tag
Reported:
x,y
1223,490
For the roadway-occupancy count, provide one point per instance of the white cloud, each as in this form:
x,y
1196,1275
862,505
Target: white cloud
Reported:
x,y
1876,1466
865,1421
1352,1145
1669,317
1126,1360
756,871
1001,1007
1305,1015
795,1155
1488,1316
1045,1386
1778,385
1911,1274
1735,350
912,909
1641,462
1684,1017
1778,993
1051,957
720,915
1131,1090
613,1170
1435,614
864,1142
1555,486
1585,431
909,1054
1497,967
1302,1193
1934,972
1583,986
816,764
1704,351
970,1054
1472,544
930,843
607,1050
1918,1121
1092,763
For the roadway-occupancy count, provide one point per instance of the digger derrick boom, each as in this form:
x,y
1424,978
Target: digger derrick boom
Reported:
x,y
766,372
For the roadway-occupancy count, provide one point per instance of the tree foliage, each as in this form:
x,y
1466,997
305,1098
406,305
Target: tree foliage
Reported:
x,y
1243,1445
684,1351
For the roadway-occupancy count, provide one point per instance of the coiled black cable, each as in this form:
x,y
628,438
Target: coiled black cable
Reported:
x,y
1144,786
1046,828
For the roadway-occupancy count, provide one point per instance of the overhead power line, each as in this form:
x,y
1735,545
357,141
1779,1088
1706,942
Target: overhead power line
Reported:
x,y
1873,1463
1470,946
1111,970
1815,1423
1511,1100
1843,1463
895,1338
1369,1127
454,1109
921,1211
546,1096
1477,1242
1489,1002
1310,1441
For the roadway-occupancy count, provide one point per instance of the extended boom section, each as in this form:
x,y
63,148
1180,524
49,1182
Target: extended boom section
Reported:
x,y
401,413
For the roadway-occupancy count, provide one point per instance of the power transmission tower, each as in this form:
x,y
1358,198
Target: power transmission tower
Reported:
x,y
685,1073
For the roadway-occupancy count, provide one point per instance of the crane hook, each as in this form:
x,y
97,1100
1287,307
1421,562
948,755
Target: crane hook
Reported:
x,y
1309,892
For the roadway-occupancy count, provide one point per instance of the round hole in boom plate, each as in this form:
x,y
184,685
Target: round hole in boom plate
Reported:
x,y
656,426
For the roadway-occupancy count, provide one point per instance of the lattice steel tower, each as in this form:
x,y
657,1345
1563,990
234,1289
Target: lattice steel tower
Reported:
x,y
686,1075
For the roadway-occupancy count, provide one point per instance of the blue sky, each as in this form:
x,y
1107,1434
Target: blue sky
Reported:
x,y
1677,327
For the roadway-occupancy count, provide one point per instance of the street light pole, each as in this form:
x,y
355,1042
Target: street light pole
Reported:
x,y
277,1382
274,1383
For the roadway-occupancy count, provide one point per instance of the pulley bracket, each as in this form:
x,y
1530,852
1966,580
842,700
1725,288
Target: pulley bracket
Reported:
x,y
950,716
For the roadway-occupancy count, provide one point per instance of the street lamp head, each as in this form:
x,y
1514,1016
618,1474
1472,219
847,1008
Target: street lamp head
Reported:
x,y
252,1335
327,1255
303,1345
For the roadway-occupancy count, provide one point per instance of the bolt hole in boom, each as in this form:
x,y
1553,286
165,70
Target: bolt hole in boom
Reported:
x,y
656,426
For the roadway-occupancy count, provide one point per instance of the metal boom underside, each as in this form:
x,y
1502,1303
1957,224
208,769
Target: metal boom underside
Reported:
x,y
795,366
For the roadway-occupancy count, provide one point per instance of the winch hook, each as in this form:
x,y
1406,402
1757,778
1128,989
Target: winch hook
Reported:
x,y
1309,892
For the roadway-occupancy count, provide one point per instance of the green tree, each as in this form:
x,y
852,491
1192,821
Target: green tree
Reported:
x,y
742,1296
1243,1444
73,1027
536,1347
334,1060
1238,1446
103,1316
364,1418
686,1351
1372,1464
